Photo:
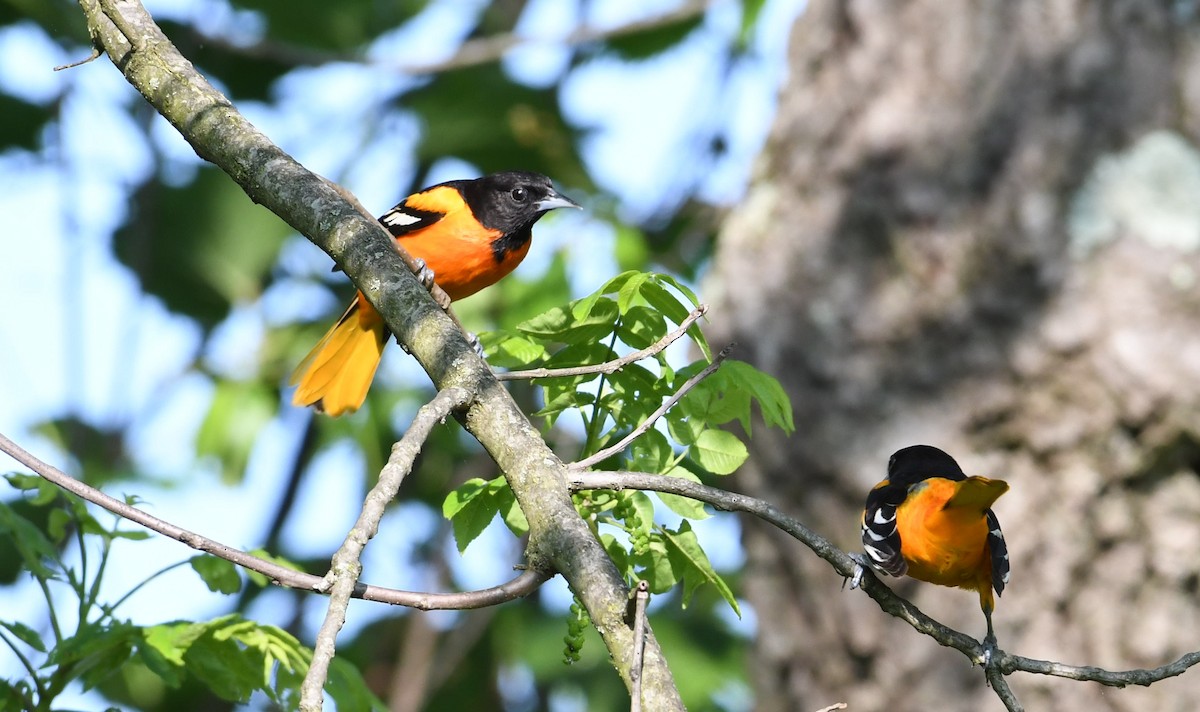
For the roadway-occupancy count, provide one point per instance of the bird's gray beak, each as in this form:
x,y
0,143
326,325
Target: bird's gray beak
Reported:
x,y
555,200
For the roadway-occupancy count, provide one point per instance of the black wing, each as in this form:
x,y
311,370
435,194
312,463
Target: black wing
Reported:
x,y
999,549
403,219
880,537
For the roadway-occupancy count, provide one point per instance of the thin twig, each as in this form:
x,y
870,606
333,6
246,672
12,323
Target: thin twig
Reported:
x,y
649,422
887,600
640,597
347,562
94,55
1087,673
834,706
609,367
520,586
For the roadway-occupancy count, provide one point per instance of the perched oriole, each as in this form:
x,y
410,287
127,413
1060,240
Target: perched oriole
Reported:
x,y
929,520
469,233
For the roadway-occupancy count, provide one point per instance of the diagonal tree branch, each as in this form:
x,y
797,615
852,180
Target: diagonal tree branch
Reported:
x,y
347,562
559,539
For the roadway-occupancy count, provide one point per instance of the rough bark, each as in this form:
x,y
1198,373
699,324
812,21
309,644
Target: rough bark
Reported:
x,y
944,250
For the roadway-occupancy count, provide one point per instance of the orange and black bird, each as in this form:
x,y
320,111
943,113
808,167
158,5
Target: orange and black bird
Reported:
x,y
932,522
469,233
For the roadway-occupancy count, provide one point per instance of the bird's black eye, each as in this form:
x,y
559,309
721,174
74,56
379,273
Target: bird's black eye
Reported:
x,y
519,194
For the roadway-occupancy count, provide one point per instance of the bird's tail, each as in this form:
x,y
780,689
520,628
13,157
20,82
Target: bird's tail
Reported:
x,y
335,375
977,493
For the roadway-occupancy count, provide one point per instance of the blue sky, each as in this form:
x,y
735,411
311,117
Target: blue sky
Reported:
x,y
67,316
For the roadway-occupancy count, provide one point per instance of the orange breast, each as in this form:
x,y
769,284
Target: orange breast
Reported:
x,y
944,546
457,248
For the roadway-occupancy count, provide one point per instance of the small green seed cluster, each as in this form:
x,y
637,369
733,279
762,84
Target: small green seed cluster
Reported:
x,y
577,625
639,532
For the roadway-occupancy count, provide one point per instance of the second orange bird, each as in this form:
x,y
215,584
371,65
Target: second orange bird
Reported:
x,y
469,233
932,522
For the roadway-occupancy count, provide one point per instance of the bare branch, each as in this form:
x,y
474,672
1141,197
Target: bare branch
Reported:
x,y
845,566
471,53
648,423
522,585
640,597
609,367
996,681
1086,673
347,562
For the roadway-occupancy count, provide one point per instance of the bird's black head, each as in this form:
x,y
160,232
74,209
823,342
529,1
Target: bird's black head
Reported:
x,y
512,201
919,462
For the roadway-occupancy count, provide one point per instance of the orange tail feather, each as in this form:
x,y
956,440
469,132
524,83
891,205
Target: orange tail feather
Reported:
x,y
336,374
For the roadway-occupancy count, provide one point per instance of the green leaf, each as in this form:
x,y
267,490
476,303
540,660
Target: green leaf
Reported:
x,y
658,297
751,9
225,668
692,565
348,689
218,574
772,399
684,506
510,511
23,482
617,552
162,647
34,547
682,429
559,324
718,451
657,568
511,350
96,651
470,509
25,634
58,525
651,452
645,509
654,40
583,307
11,698
631,290
641,327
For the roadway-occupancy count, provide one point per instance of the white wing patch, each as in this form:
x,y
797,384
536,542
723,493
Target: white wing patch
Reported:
x,y
396,217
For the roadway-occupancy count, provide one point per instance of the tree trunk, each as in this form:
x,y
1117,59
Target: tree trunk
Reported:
x,y
976,226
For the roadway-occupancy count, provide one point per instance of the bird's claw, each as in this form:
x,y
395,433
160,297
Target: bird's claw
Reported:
x,y
989,657
860,568
473,340
424,274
